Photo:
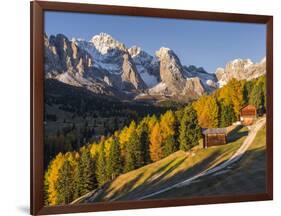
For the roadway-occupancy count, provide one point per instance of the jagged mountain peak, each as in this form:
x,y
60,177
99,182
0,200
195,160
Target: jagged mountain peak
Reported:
x,y
167,56
77,40
134,51
63,56
171,69
104,42
194,69
147,65
102,36
105,65
59,36
140,55
240,69
113,62
163,51
240,62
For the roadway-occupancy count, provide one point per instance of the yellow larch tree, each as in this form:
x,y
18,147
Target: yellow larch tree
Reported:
x,y
207,111
156,143
51,178
167,124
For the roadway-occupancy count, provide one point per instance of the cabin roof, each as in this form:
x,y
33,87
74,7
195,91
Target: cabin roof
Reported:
x,y
249,110
214,131
249,106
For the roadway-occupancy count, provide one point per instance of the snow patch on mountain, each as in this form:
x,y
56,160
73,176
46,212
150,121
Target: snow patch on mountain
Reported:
x,y
107,52
146,65
105,42
208,80
104,65
149,79
240,69
162,52
159,88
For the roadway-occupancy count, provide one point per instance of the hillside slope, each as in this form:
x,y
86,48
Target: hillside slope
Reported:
x,y
166,172
246,176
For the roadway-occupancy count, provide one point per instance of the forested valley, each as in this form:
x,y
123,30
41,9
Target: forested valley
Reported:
x,y
75,117
147,134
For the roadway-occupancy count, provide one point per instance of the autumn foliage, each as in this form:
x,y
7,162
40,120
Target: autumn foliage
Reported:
x,y
76,173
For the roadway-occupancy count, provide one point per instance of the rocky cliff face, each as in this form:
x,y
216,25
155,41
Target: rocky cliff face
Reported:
x,y
112,57
175,81
62,55
147,66
106,66
240,69
171,70
130,75
209,81
106,52
67,62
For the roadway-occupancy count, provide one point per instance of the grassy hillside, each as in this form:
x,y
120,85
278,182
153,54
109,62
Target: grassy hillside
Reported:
x,y
246,176
166,172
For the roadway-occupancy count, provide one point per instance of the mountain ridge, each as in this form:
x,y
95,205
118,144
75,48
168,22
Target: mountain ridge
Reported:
x,y
106,66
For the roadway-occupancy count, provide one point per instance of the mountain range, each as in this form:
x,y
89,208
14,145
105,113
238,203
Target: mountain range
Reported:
x,y
106,66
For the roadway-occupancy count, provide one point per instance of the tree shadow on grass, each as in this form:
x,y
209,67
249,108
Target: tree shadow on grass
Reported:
x,y
236,134
162,181
246,176
125,189
154,179
162,178
130,185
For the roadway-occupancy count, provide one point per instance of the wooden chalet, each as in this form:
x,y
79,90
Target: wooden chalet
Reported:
x,y
248,114
214,137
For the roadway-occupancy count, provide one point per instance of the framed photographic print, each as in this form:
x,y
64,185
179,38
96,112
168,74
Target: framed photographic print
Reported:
x,y
141,107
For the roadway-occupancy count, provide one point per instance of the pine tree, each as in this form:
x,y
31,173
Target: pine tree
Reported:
x,y
257,96
227,115
51,179
101,174
137,149
190,131
78,173
167,124
151,121
94,150
114,163
143,134
129,160
179,114
85,178
46,187
168,132
124,137
133,153
169,146
247,91
263,85
65,186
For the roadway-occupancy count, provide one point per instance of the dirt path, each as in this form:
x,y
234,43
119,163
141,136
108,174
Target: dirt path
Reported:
x,y
235,157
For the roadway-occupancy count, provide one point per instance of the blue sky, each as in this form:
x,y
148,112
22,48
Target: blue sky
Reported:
x,y
201,43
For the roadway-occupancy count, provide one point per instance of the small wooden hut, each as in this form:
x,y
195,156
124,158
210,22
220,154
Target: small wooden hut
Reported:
x,y
248,114
214,136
